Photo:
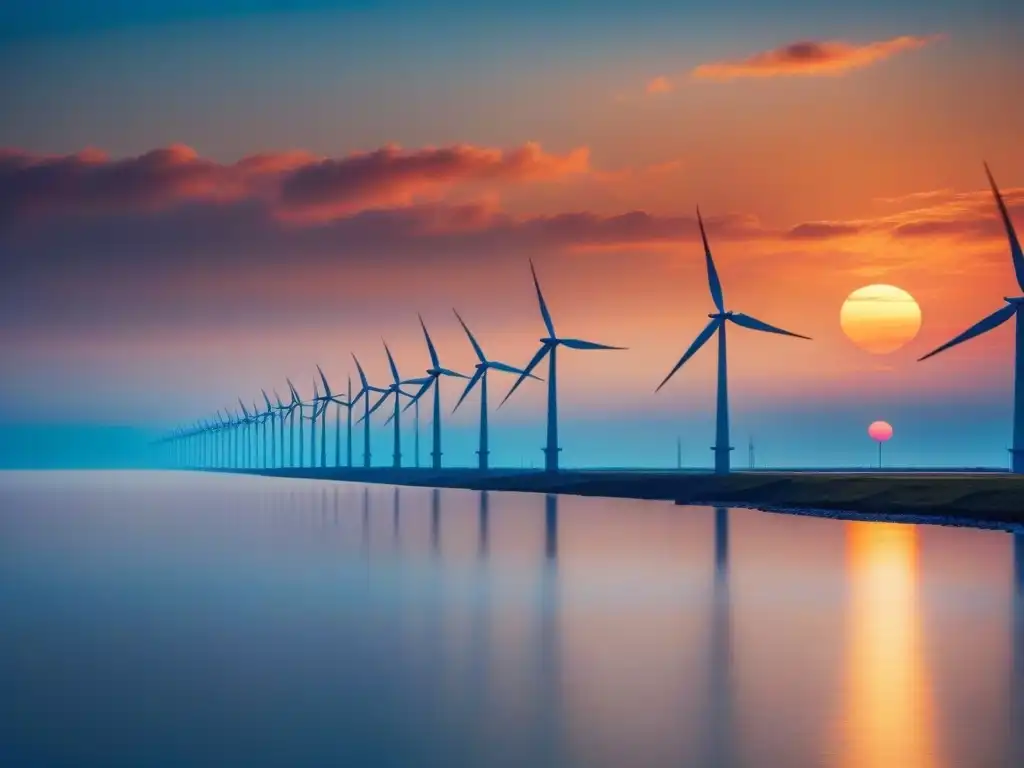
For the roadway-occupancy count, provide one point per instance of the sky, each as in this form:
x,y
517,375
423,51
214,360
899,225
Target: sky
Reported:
x,y
200,199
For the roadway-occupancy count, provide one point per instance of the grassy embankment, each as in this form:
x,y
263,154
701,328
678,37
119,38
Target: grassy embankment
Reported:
x,y
987,497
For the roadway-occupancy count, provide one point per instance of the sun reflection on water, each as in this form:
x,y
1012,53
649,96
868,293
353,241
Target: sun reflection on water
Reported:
x,y
888,714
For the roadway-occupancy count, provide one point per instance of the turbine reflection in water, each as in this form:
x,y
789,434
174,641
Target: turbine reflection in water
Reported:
x,y
550,641
366,521
396,516
435,521
483,523
718,747
1016,721
888,712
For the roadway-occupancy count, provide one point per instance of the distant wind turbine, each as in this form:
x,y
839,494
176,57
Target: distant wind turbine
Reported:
x,y
717,324
295,404
394,390
257,421
236,451
247,421
996,319
223,428
317,409
278,442
434,374
330,397
364,391
480,376
266,416
549,347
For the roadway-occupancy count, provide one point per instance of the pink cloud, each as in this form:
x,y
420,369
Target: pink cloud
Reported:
x,y
807,57
296,183
660,84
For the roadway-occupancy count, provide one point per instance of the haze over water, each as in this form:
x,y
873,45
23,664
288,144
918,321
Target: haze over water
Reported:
x,y
172,618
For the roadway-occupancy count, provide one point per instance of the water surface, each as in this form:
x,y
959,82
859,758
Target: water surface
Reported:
x,y
151,619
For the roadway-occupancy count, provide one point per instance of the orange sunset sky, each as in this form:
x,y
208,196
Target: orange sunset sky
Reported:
x,y
197,204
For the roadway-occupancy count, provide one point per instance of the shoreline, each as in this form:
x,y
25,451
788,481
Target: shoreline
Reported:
x,y
986,500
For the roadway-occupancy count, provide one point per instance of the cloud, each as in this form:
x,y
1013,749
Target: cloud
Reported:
x,y
660,84
169,234
294,183
833,57
388,176
824,230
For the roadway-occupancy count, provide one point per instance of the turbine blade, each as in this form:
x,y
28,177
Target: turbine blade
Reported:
x,y
713,282
362,376
327,387
994,320
541,353
543,306
510,369
391,362
430,345
1011,234
267,399
422,391
469,387
380,402
699,342
456,374
472,340
746,321
581,344
389,419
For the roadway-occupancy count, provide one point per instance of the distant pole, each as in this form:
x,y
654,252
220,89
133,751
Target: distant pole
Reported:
x,y
879,454
750,452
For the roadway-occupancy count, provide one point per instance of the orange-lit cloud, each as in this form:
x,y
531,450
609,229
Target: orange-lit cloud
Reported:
x,y
294,182
660,84
808,57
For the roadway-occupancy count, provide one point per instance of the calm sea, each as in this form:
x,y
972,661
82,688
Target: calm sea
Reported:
x,y
177,619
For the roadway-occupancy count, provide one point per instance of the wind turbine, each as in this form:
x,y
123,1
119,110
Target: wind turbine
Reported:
x,y
232,424
295,403
340,402
480,376
434,374
395,389
549,347
364,391
996,319
717,325
257,421
223,427
246,441
278,441
264,417
317,410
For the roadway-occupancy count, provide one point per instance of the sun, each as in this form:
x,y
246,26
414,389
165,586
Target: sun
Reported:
x,y
880,318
